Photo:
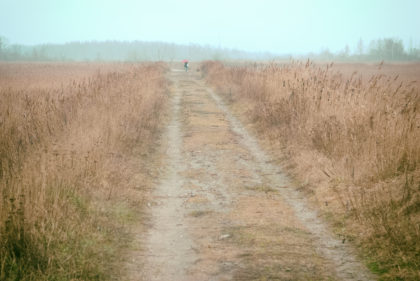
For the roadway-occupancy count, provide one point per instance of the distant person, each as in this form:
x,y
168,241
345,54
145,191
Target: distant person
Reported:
x,y
185,65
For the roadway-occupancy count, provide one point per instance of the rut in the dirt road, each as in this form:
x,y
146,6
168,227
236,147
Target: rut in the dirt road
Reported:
x,y
169,249
224,211
342,255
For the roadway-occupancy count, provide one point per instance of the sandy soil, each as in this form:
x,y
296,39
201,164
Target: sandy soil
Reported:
x,y
222,210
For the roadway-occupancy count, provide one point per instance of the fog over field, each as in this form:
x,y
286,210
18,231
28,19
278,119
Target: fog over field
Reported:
x,y
171,30
179,140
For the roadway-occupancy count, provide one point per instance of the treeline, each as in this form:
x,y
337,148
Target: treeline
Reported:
x,y
389,49
121,51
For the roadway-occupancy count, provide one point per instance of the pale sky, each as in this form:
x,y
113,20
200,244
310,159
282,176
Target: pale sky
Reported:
x,y
292,26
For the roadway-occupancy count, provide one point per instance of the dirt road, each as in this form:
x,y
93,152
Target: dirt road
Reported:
x,y
222,210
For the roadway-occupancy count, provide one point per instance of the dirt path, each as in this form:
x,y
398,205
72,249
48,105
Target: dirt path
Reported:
x,y
223,211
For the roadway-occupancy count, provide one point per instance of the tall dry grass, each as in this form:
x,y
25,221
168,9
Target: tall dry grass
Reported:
x,y
353,140
71,138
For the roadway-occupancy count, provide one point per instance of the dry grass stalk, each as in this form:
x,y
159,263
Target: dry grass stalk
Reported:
x,y
65,149
363,134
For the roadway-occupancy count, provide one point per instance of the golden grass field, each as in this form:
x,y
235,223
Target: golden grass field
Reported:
x,y
350,135
75,139
78,142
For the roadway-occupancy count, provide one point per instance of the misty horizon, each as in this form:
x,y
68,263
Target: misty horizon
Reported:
x,y
278,27
353,49
387,49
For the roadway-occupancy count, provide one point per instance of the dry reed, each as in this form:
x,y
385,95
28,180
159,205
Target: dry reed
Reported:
x,y
68,137
353,140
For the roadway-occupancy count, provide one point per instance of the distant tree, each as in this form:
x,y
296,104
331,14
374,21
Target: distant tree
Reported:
x,y
171,52
360,47
410,47
388,49
132,56
394,49
326,54
346,50
217,55
413,52
34,55
345,53
3,47
98,56
15,52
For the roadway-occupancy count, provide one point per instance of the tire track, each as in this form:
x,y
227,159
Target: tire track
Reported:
x,y
223,211
169,248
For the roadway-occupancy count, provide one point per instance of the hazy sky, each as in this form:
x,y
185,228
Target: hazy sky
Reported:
x,y
291,26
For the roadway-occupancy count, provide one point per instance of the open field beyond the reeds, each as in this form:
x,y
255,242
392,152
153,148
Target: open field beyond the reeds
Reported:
x,y
75,143
350,134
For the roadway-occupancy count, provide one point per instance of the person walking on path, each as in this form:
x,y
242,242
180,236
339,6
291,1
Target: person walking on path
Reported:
x,y
185,65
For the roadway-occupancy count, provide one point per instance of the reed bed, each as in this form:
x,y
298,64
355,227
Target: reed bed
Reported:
x,y
353,141
72,138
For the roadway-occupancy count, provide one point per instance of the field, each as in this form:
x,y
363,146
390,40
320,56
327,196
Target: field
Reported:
x,y
231,171
349,134
76,141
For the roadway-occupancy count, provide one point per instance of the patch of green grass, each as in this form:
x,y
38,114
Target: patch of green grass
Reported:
x,y
261,188
263,236
84,246
199,213
124,213
377,268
